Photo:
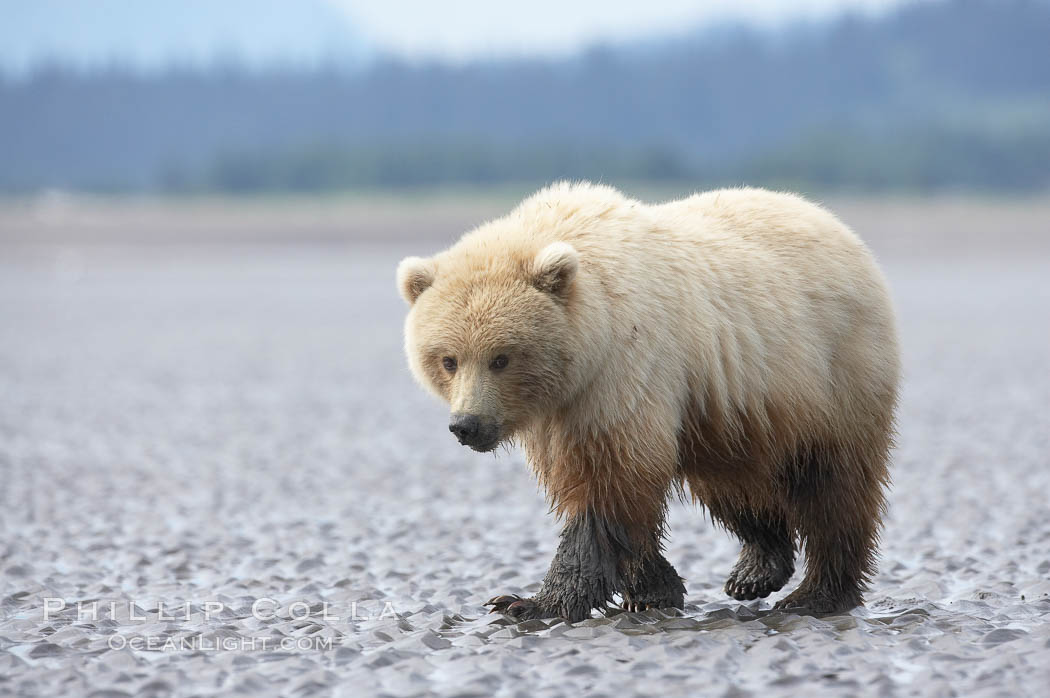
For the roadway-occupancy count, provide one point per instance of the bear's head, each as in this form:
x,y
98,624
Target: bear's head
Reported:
x,y
489,331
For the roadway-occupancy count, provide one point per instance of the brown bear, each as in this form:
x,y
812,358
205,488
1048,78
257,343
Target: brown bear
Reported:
x,y
740,343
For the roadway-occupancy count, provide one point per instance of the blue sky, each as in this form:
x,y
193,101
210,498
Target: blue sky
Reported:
x,y
152,33
456,29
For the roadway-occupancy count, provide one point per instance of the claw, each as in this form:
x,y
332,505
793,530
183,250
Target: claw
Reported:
x,y
514,606
500,604
502,598
517,607
510,604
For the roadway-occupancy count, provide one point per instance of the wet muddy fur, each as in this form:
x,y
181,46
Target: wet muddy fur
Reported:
x,y
595,559
818,501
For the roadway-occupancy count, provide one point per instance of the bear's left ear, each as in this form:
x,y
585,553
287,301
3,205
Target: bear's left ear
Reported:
x,y
555,267
414,275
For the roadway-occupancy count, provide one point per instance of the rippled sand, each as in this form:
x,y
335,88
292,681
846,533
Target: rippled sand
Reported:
x,y
222,426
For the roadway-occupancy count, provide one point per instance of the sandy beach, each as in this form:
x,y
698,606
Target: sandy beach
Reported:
x,y
219,478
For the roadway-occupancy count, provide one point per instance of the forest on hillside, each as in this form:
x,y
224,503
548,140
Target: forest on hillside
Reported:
x,y
937,95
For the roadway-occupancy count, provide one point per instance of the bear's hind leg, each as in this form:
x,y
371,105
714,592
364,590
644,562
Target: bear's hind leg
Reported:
x,y
767,560
837,512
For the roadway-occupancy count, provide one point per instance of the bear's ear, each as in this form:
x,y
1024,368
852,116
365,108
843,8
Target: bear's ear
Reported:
x,y
414,275
555,267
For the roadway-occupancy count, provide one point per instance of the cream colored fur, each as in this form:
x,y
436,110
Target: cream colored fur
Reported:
x,y
757,313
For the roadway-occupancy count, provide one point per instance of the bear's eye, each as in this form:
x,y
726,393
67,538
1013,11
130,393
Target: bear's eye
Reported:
x,y
449,363
499,363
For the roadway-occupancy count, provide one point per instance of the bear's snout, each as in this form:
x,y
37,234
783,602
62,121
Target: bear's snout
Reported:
x,y
471,430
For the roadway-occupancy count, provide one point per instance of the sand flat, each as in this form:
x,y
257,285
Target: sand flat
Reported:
x,y
218,477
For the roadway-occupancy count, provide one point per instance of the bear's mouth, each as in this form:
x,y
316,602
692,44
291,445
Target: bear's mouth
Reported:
x,y
484,446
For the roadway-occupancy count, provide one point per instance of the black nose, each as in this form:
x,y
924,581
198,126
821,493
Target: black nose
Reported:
x,y
465,427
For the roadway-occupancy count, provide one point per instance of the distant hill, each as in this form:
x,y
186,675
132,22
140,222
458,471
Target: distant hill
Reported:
x,y
952,94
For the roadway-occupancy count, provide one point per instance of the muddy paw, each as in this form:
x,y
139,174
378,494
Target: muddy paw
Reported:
x,y
817,602
632,606
646,602
516,607
755,578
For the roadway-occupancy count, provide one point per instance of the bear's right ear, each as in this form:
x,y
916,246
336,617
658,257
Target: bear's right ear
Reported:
x,y
414,275
555,267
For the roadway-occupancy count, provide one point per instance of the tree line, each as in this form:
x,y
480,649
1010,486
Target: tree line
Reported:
x,y
951,94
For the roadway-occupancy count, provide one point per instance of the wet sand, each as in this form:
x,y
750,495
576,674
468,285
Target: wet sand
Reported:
x,y
190,430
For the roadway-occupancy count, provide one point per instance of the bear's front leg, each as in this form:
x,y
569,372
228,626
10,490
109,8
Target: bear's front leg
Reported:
x,y
585,572
612,489
650,582
596,558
